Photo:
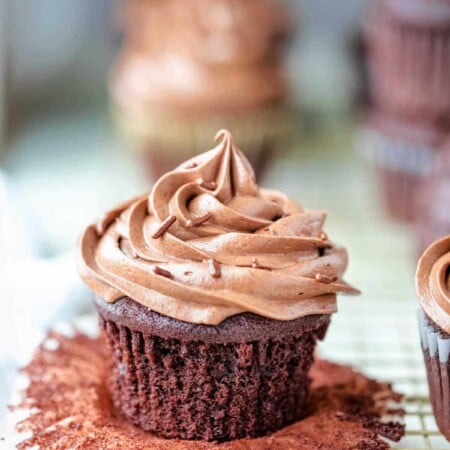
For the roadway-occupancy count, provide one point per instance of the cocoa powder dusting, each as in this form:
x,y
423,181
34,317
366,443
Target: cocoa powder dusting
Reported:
x,y
74,409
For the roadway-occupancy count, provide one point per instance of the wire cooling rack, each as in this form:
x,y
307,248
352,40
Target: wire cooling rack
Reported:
x,y
377,332
380,338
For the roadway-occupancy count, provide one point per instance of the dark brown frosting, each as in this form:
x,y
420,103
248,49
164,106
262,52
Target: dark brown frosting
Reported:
x,y
208,243
432,282
223,54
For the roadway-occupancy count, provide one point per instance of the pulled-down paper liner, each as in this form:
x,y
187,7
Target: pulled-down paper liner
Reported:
x,y
65,404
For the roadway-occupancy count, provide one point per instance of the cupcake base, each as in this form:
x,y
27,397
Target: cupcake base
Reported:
x,y
436,351
164,140
246,377
72,408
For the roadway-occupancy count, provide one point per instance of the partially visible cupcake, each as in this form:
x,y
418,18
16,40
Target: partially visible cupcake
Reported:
x,y
188,68
433,289
212,294
409,59
433,215
401,155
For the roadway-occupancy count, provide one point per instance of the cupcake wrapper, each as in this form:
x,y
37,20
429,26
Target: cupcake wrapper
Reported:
x,y
164,142
436,350
399,166
395,154
214,392
409,62
188,136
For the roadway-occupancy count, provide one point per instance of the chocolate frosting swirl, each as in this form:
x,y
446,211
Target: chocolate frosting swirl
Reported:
x,y
433,282
196,55
208,243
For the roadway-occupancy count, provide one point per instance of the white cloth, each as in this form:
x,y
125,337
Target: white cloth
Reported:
x,y
35,292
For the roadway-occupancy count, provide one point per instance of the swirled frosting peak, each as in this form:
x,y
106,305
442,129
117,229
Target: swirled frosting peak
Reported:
x,y
433,282
208,243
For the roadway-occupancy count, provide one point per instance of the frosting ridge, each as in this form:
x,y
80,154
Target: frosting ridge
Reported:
x,y
433,282
208,243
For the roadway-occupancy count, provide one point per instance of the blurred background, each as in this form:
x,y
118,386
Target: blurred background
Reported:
x,y
64,159
59,145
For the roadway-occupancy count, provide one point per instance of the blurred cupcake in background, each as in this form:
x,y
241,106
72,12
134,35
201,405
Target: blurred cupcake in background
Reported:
x,y
408,43
186,67
400,155
433,289
433,214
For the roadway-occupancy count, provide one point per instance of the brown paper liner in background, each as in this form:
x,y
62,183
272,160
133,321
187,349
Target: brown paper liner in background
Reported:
x,y
399,156
163,141
408,45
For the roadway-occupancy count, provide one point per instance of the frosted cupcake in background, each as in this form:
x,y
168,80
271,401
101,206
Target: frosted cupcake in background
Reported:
x,y
408,61
433,289
189,68
433,215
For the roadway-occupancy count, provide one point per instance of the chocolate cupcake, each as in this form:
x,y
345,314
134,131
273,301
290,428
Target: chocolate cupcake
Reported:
x,y
212,294
186,69
400,155
409,59
433,218
433,289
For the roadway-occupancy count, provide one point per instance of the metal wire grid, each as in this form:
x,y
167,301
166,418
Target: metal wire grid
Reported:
x,y
381,339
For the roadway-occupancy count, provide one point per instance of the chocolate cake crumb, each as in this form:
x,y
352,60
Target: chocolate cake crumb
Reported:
x,y
73,408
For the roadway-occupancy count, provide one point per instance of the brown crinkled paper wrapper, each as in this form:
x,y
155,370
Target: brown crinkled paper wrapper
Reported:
x,y
71,408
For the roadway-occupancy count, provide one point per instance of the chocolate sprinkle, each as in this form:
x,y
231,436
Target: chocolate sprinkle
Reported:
x,y
163,272
198,220
210,185
256,265
191,165
168,222
327,279
214,268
